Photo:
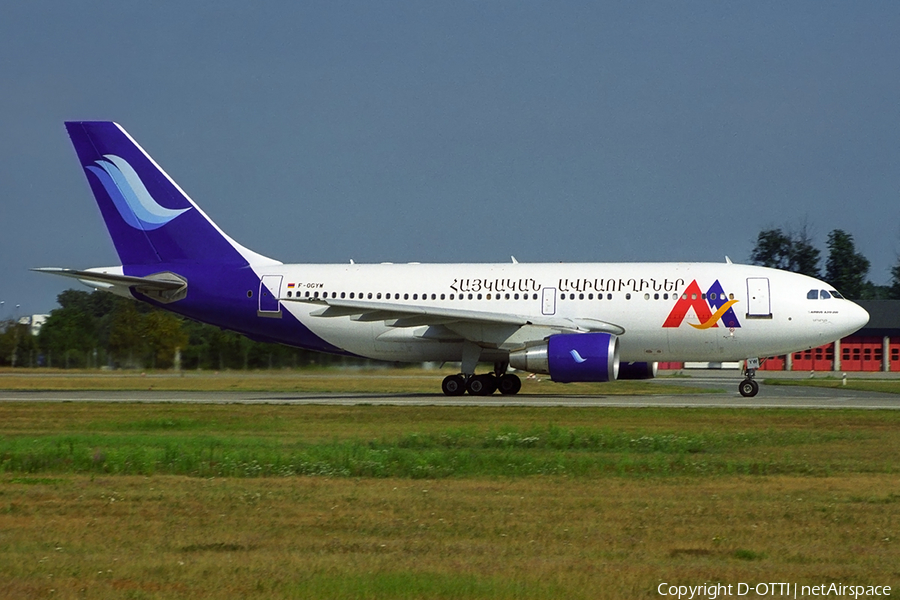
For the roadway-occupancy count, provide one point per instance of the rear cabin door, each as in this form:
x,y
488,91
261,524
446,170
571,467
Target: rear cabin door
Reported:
x,y
759,305
269,294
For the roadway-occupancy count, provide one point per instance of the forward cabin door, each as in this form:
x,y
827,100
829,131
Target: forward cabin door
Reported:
x,y
269,294
759,305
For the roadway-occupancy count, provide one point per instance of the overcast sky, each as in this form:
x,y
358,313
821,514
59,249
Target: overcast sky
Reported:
x,y
458,131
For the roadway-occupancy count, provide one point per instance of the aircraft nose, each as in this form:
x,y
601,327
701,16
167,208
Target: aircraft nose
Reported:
x,y
857,317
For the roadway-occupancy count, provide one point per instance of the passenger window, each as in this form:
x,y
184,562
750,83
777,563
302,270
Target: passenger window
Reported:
x,y
370,295
516,297
434,296
534,297
506,297
656,296
442,296
379,295
628,296
824,295
812,294
415,296
470,296
646,296
451,296
590,296
479,296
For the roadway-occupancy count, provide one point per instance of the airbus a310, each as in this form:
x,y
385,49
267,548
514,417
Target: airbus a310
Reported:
x,y
575,322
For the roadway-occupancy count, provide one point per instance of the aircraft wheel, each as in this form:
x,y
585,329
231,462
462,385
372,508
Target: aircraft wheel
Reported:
x,y
454,385
509,384
482,385
748,388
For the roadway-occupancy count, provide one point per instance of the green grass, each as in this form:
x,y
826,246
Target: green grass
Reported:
x,y
224,501
423,442
888,386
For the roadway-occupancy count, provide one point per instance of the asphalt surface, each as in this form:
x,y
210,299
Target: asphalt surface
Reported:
x,y
770,396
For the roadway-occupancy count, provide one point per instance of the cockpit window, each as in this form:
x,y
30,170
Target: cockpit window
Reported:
x,y
836,294
824,295
812,295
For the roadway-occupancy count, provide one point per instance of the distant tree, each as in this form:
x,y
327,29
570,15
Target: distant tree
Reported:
x,y
894,287
126,334
70,333
163,334
772,249
792,251
18,347
846,269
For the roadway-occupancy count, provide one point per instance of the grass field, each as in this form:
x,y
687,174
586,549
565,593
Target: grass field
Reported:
x,y
228,501
889,386
324,380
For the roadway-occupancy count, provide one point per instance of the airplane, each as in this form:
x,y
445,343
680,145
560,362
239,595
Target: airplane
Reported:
x,y
575,322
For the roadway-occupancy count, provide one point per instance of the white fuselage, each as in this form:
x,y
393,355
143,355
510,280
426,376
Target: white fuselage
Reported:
x,y
770,312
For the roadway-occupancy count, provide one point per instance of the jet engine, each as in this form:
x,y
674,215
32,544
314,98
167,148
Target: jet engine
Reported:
x,y
637,370
569,357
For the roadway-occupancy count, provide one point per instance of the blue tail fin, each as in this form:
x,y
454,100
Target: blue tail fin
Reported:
x,y
150,219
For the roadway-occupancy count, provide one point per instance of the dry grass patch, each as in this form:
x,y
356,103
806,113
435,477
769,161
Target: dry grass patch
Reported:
x,y
345,538
332,380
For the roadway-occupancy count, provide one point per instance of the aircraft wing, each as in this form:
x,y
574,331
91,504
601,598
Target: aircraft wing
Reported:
x,y
488,329
165,287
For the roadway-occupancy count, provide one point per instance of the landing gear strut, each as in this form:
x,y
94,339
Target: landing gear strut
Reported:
x,y
748,387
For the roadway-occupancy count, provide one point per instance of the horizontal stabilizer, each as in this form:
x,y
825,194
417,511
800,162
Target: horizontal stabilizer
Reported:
x,y
164,287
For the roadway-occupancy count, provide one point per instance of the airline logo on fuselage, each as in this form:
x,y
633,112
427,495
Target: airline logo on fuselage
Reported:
x,y
710,308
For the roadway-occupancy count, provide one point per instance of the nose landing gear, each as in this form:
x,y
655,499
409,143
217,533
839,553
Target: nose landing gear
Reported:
x,y
749,387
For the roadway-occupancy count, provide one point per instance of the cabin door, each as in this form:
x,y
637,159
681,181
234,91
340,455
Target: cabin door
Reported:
x,y
548,301
269,294
759,305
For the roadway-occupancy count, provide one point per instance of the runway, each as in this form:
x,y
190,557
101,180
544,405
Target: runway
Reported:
x,y
770,396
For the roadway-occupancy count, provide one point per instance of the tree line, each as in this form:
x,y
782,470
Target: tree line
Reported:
x,y
845,268
99,329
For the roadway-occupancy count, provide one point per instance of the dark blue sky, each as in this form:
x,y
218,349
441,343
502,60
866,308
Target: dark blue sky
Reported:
x,y
459,131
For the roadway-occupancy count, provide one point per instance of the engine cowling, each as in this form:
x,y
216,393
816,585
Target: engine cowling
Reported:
x,y
570,357
637,370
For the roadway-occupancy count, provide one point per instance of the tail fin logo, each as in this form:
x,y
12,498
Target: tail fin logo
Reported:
x,y
130,195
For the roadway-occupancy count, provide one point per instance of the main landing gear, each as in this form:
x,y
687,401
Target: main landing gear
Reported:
x,y
748,387
482,385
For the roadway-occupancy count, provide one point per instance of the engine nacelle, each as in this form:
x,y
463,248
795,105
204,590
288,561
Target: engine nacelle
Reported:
x,y
569,357
637,370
